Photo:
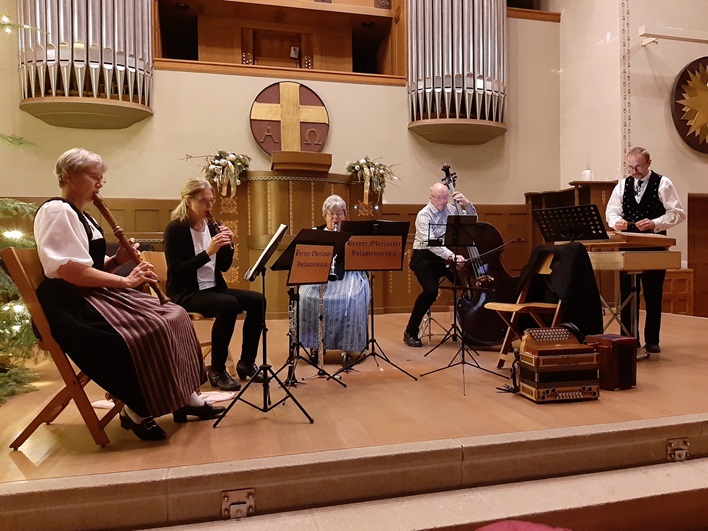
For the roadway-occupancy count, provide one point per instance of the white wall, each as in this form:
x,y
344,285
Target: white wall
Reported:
x,y
593,132
590,89
654,69
195,113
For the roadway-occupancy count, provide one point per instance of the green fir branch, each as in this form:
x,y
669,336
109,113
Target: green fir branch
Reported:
x,y
15,141
15,379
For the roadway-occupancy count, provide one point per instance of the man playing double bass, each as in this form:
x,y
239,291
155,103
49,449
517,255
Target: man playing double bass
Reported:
x,y
430,263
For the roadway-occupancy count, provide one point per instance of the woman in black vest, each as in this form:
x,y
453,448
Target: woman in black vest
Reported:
x,y
141,352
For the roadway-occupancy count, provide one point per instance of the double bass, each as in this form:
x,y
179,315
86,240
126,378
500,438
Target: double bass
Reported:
x,y
483,279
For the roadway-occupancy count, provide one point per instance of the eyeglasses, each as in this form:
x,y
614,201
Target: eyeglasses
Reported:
x,y
96,176
638,167
205,201
440,197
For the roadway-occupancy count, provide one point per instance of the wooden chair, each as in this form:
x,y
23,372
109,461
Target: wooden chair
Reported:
x,y
158,261
512,312
26,271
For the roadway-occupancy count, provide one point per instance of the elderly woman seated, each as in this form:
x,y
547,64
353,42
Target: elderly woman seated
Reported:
x,y
346,300
140,351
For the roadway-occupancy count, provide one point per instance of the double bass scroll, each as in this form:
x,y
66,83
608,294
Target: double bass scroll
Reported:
x,y
119,233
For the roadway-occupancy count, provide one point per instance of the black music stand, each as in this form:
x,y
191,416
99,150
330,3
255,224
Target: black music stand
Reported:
x,y
560,224
327,239
583,222
376,228
461,232
265,369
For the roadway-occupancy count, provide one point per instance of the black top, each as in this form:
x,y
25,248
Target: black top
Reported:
x,y
182,263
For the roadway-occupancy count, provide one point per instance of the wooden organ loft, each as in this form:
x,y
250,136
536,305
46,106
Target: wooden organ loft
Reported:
x,y
365,37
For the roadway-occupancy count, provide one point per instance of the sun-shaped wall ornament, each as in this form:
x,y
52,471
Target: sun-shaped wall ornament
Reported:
x,y
690,104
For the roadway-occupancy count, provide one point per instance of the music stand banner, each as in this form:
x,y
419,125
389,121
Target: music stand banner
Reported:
x,y
311,264
375,245
373,253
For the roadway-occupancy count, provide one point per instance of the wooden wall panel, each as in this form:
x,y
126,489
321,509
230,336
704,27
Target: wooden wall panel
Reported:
x,y
266,199
698,250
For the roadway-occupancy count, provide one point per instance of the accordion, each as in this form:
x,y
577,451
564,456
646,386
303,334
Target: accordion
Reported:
x,y
553,366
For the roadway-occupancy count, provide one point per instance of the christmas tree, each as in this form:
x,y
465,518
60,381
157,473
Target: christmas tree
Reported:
x,y
17,340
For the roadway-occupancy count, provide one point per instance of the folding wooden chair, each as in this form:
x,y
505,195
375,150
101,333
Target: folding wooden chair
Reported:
x,y
26,271
158,261
512,312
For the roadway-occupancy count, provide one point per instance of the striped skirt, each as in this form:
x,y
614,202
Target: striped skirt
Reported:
x,y
143,353
346,307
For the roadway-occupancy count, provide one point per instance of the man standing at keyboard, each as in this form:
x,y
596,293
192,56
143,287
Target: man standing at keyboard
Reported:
x,y
644,202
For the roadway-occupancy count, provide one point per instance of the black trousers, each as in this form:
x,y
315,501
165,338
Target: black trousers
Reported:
x,y
429,268
225,305
651,284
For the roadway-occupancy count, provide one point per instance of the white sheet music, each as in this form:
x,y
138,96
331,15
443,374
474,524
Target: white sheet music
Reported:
x,y
266,254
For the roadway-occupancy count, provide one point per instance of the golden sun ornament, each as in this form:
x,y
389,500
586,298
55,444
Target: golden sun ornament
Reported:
x,y
690,105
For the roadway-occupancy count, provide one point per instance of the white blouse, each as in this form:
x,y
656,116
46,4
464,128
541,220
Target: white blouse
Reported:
x,y
61,237
207,273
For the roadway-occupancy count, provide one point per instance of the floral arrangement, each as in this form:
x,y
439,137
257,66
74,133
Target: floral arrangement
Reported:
x,y
373,174
223,169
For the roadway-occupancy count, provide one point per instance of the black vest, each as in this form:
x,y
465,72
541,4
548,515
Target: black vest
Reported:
x,y
650,207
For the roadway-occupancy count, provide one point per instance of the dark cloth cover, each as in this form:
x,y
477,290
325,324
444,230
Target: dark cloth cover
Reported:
x,y
572,280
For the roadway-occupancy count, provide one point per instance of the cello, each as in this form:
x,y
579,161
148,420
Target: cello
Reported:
x,y
486,280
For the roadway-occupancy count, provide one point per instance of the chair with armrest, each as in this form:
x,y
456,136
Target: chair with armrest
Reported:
x,y
158,261
26,272
515,313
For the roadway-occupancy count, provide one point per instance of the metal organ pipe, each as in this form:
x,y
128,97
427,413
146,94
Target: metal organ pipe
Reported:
x,y
456,59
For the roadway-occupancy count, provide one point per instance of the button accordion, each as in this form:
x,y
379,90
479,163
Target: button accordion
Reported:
x,y
554,366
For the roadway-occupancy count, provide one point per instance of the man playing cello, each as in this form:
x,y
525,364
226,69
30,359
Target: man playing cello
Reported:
x,y
430,263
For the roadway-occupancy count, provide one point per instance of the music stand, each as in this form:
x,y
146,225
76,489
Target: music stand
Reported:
x,y
461,232
392,235
560,224
312,240
259,268
583,222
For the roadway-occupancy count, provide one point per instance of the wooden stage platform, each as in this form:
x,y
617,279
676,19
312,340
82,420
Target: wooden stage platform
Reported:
x,y
426,434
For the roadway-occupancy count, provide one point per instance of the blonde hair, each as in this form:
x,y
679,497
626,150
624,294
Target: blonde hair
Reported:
x,y
189,191
331,202
77,160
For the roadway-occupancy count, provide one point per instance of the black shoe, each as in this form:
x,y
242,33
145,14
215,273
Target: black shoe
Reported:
x,y
223,380
651,348
247,370
314,356
205,412
411,341
346,359
147,430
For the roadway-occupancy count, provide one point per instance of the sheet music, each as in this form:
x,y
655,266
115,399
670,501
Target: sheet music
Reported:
x,y
266,254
